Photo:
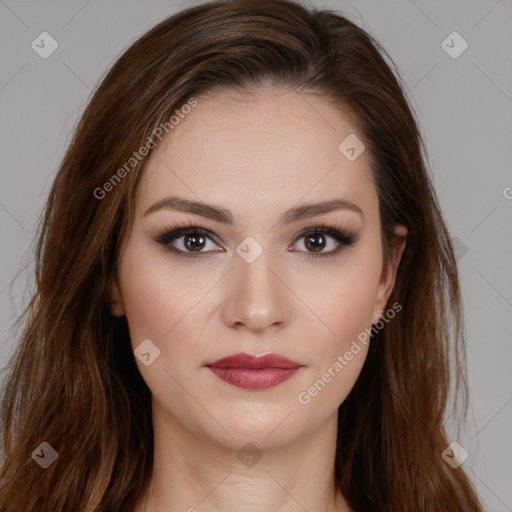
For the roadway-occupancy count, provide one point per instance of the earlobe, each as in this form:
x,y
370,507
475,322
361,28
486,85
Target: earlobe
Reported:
x,y
116,302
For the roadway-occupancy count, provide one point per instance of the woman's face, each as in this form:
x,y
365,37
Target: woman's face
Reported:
x,y
250,284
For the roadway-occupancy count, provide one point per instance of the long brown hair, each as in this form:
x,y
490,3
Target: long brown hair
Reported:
x,y
73,382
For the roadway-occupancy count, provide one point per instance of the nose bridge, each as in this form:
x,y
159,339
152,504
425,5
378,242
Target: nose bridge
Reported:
x,y
257,295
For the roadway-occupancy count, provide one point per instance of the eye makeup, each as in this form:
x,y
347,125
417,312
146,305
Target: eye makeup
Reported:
x,y
173,232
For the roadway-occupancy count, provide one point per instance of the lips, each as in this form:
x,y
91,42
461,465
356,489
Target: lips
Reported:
x,y
250,362
252,372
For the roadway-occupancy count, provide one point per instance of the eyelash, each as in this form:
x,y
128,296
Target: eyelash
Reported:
x,y
176,231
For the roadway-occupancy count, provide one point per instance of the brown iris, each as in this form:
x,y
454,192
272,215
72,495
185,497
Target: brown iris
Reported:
x,y
312,242
196,242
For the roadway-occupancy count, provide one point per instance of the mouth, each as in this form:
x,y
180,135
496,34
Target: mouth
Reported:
x,y
251,372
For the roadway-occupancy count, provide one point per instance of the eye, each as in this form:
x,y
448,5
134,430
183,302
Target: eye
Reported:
x,y
187,241
316,239
192,241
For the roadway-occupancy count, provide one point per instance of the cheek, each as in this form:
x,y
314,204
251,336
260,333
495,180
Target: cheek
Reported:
x,y
159,305
346,309
350,308
344,298
155,296
339,354
166,302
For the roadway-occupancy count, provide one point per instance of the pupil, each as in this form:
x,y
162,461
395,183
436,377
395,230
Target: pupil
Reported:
x,y
196,242
316,246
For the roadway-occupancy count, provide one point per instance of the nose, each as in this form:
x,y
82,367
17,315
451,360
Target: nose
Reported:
x,y
257,294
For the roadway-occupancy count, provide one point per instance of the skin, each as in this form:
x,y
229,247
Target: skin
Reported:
x,y
256,157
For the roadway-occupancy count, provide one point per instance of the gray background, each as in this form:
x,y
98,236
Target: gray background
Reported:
x,y
464,106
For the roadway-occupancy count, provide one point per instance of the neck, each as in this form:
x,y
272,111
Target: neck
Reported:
x,y
195,474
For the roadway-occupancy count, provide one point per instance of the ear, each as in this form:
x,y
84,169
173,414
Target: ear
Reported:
x,y
388,274
116,301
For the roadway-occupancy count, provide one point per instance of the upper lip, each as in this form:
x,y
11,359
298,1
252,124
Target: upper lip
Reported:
x,y
244,360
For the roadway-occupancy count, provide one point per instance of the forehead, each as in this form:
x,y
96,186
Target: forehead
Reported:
x,y
256,152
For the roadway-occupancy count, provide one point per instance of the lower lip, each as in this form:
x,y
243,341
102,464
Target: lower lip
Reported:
x,y
254,379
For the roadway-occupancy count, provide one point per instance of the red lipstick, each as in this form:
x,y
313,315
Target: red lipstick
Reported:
x,y
250,372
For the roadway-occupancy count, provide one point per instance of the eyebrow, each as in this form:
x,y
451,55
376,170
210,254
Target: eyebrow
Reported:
x,y
226,217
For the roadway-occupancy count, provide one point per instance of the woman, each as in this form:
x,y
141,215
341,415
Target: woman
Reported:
x,y
246,292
